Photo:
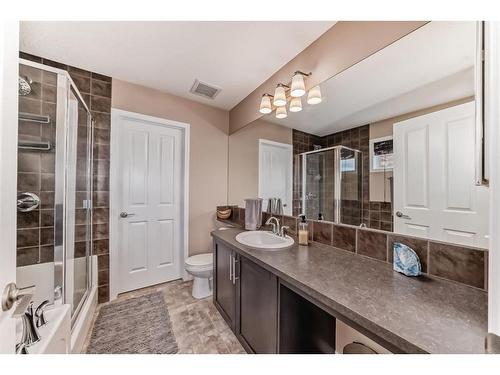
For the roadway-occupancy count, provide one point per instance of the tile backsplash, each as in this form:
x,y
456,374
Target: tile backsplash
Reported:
x,y
462,264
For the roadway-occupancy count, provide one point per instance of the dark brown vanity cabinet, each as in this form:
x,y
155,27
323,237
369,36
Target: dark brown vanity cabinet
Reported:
x,y
246,295
224,285
258,307
266,315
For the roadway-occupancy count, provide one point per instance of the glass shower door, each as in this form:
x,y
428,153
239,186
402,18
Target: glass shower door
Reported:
x,y
78,203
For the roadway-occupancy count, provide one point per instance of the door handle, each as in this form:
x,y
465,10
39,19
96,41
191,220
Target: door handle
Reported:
x,y
402,215
124,214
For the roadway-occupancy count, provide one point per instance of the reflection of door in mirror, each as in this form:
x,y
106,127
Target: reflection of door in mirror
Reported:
x,y
435,195
275,173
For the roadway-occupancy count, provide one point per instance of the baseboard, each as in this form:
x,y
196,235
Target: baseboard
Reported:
x,y
83,323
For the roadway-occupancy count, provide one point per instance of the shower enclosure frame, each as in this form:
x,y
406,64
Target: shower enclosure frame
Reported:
x,y
65,87
337,178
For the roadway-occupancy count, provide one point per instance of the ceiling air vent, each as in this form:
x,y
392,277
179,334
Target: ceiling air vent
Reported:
x,y
205,90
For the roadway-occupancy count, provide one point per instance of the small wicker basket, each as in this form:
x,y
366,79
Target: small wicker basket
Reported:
x,y
224,213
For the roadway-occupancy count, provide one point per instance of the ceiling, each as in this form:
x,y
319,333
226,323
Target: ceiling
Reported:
x,y
431,66
170,55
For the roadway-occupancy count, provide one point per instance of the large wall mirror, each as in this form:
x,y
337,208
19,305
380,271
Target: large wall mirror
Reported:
x,y
392,145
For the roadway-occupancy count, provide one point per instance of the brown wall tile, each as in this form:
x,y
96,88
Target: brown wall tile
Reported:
x,y
47,236
322,232
103,277
292,223
103,294
344,238
101,88
27,256
460,264
28,237
29,219
100,247
28,182
100,104
372,244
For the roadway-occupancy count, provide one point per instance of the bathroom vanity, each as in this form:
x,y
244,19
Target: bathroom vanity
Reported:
x,y
288,301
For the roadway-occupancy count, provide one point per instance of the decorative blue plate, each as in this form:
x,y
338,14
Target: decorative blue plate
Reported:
x,y
406,260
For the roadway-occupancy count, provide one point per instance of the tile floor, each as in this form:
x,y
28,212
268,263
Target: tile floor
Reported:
x,y
198,326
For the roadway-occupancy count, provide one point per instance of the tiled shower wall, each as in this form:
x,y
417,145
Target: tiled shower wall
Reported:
x,y
96,92
376,215
35,229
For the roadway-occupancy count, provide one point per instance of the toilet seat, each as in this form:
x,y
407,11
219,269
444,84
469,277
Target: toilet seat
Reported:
x,y
200,262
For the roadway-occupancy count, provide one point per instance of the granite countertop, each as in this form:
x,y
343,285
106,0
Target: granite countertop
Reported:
x,y
410,315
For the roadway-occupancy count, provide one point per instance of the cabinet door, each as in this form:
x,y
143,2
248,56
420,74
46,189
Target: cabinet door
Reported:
x,y
258,307
225,290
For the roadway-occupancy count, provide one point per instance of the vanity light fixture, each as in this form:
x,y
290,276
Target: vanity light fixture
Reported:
x,y
314,95
298,88
296,105
281,112
280,95
265,104
293,93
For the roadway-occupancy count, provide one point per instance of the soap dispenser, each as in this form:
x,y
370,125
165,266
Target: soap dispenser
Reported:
x,y
303,231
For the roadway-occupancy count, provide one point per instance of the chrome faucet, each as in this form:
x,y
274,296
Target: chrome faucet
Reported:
x,y
276,225
277,229
39,314
30,332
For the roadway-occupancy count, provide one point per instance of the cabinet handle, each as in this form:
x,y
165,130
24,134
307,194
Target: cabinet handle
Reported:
x,y
234,270
230,266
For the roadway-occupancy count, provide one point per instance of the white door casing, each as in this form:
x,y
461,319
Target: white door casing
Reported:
x,y
275,173
9,71
434,178
149,181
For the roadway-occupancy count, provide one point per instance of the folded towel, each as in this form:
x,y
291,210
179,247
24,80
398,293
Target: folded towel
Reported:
x,y
253,213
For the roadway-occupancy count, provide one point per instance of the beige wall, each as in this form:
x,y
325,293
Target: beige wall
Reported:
x,y
342,46
208,151
243,178
378,180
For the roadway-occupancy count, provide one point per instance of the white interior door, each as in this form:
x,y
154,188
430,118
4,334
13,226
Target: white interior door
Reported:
x,y
275,173
150,230
434,191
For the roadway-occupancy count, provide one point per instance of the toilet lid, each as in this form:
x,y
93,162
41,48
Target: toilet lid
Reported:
x,y
200,260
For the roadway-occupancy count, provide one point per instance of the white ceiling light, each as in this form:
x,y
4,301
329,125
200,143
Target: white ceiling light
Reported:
x,y
295,105
281,112
314,95
279,95
298,88
265,104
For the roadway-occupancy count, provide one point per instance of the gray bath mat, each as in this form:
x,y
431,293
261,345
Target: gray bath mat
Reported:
x,y
137,325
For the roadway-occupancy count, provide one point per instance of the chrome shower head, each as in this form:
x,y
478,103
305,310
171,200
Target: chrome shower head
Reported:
x,y
24,86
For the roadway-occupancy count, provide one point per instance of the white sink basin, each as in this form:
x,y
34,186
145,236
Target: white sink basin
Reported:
x,y
264,240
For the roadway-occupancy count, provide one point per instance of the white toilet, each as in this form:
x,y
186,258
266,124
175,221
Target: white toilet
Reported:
x,y
201,267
